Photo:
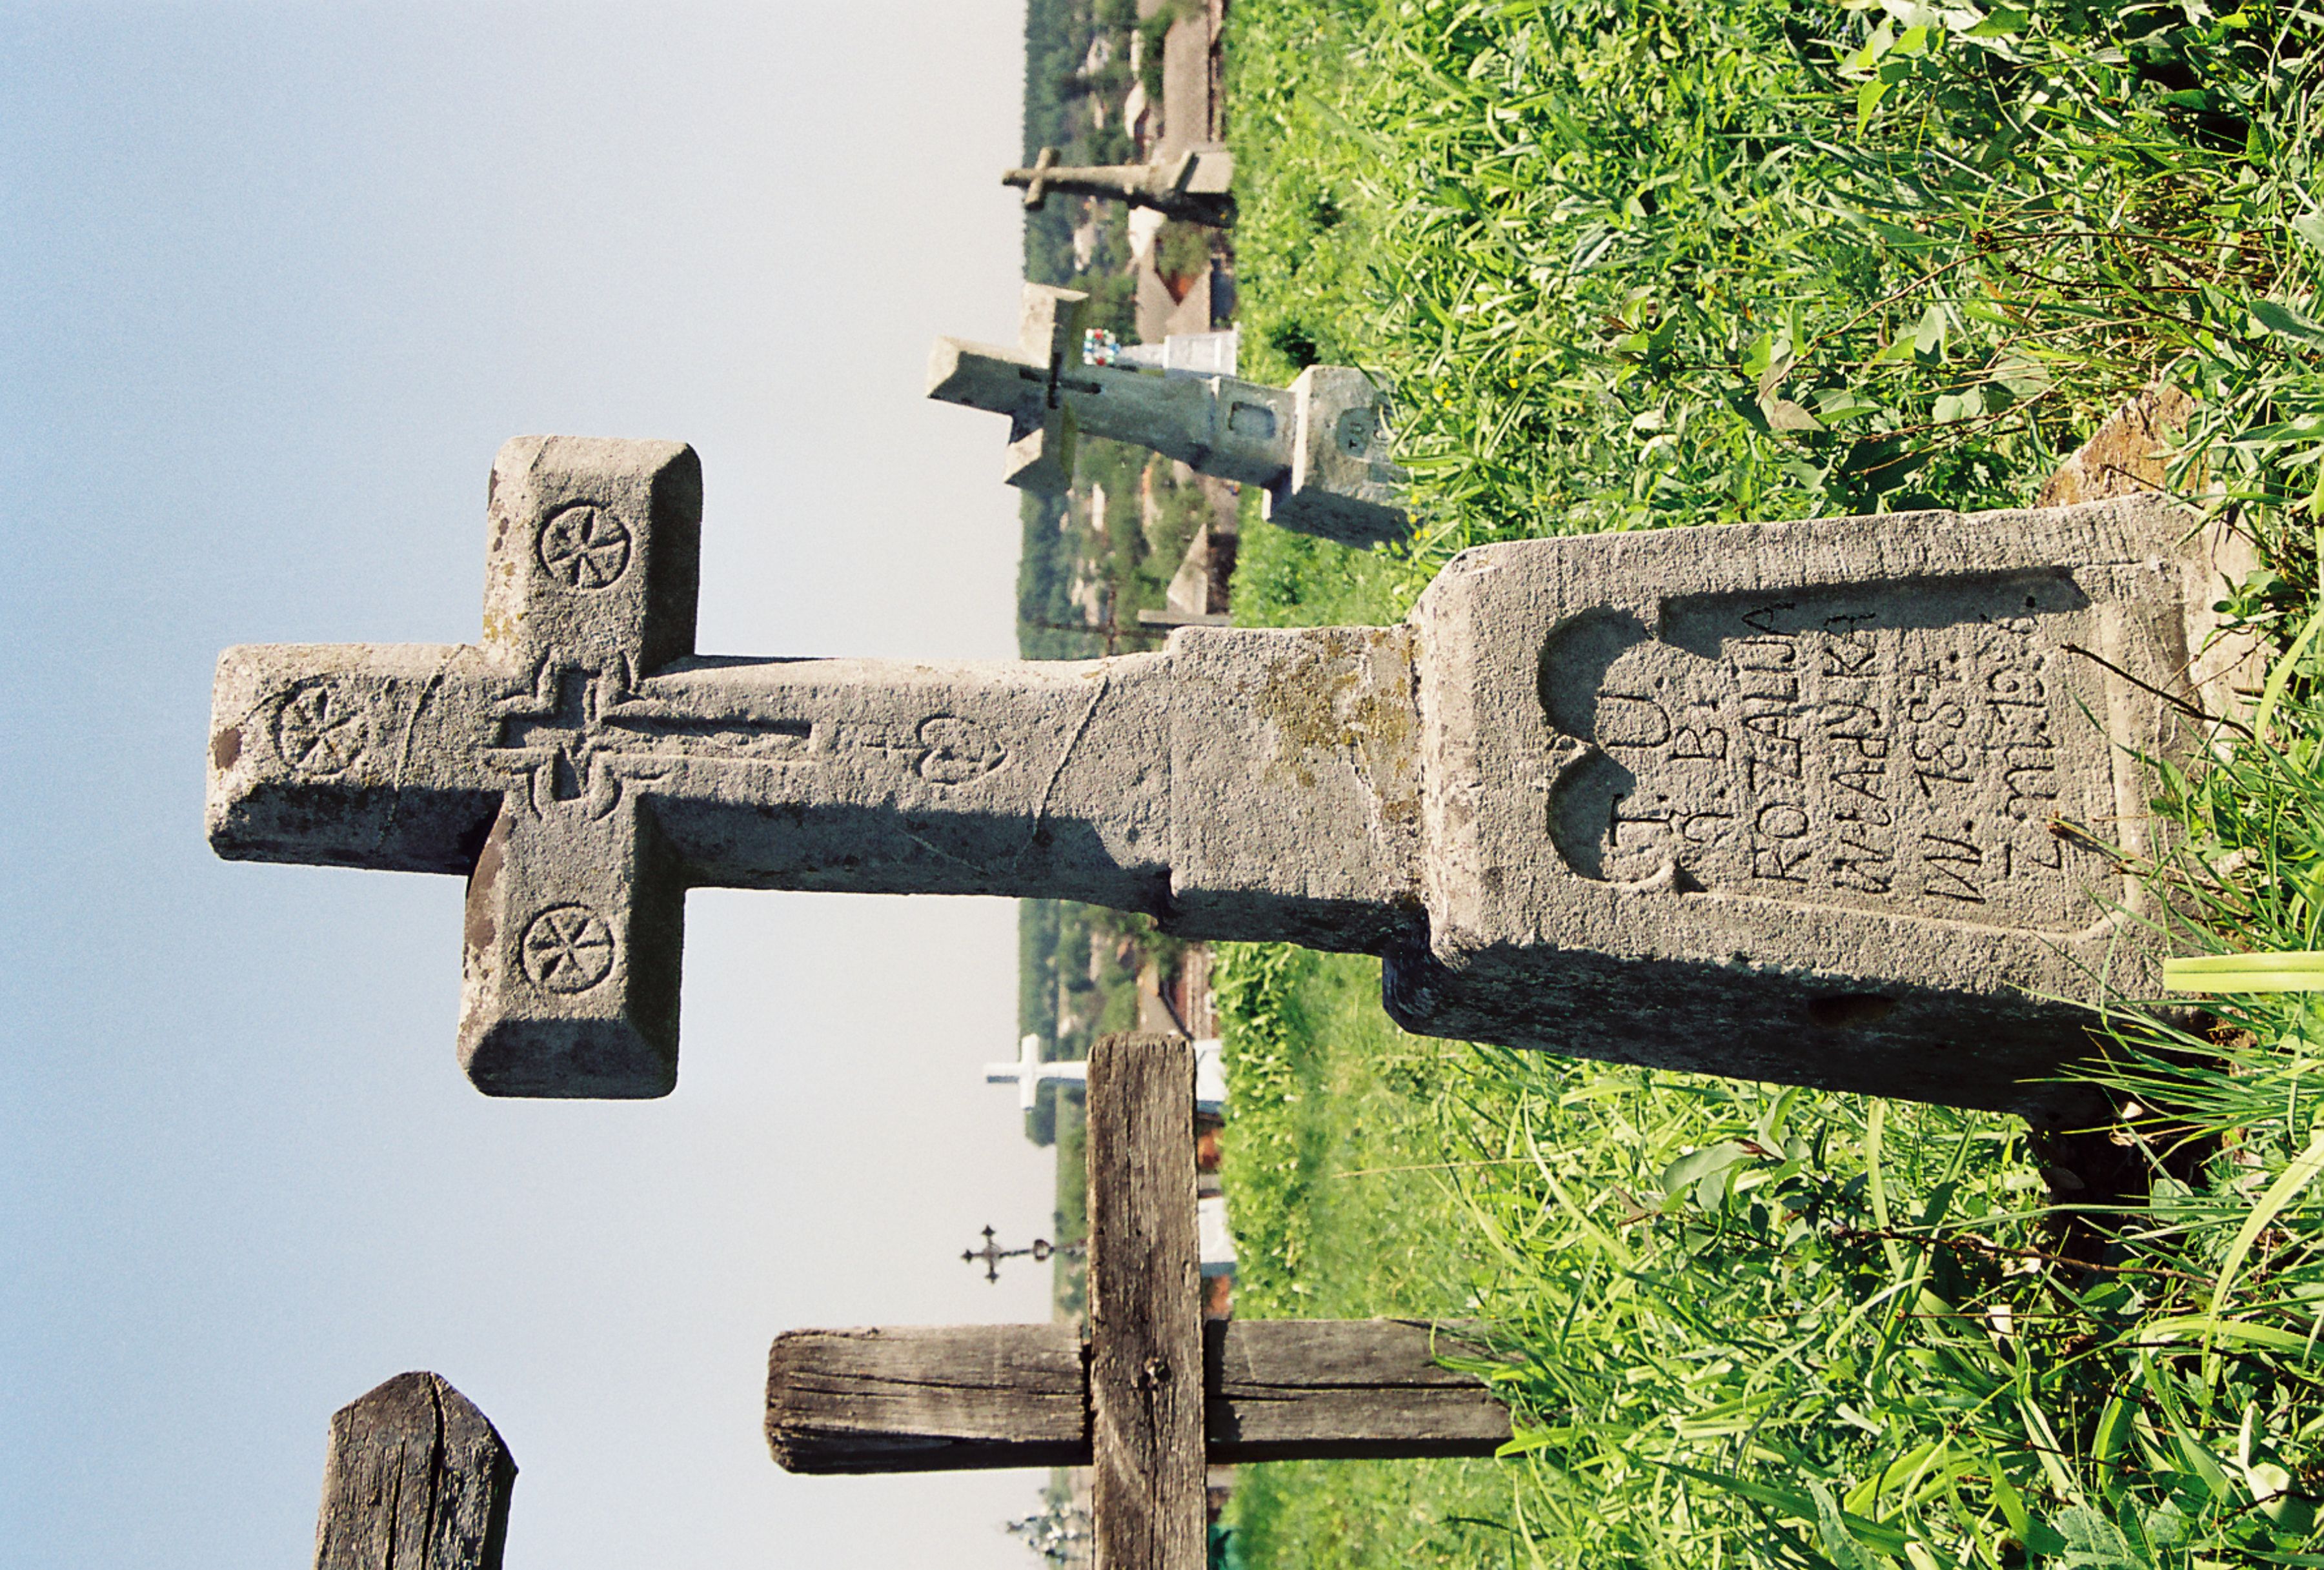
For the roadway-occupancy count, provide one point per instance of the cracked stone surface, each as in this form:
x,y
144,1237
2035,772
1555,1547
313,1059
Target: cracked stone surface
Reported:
x,y
1777,801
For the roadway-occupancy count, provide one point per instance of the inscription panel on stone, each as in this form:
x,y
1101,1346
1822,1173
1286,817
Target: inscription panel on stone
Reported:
x,y
1903,747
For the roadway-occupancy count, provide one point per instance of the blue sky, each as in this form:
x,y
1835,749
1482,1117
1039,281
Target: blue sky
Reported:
x,y
276,281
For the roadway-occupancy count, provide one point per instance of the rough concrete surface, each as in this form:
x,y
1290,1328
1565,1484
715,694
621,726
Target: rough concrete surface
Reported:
x,y
1809,802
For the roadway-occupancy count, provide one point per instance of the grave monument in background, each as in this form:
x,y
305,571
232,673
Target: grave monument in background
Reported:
x,y
1196,186
1317,448
1812,802
1153,1393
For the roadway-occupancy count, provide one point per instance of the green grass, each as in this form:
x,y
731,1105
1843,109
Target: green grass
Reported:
x,y
1344,1211
1631,263
1622,265
1685,1273
1335,1156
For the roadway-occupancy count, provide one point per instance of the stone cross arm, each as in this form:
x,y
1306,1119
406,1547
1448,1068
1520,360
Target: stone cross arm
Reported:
x,y
1317,448
582,767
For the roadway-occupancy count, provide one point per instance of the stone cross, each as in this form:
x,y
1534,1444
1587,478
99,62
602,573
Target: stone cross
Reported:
x,y
1317,448
1821,802
1196,186
1031,1069
582,767
1154,1394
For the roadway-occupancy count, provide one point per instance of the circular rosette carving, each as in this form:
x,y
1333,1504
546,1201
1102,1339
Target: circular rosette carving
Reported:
x,y
958,750
322,729
568,949
584,546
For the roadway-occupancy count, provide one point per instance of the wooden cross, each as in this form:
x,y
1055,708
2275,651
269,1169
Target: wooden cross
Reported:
x,y
417,1479
1154,1394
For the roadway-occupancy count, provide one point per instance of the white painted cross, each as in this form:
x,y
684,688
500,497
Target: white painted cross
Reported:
x,y
1031,1069
1318,448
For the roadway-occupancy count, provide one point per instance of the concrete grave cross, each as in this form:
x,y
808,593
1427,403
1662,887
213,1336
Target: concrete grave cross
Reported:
x,y
1031,1069
1153,1394
1318,448
1816,802
1196,187
1035,180
1029,385
526,760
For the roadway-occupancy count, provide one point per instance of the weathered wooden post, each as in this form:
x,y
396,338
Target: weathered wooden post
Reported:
x,y
1155,1394
417,1479
1145,1307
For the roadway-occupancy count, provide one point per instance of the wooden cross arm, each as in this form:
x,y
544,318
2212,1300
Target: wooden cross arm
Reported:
x,y
980,1396
1344,1390
928,1398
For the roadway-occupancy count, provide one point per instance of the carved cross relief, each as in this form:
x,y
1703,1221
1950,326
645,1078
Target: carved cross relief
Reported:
x,y
525,762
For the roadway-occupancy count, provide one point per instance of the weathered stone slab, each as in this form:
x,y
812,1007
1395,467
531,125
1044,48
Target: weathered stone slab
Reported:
x,y
1317,448
1803,781
1808,802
